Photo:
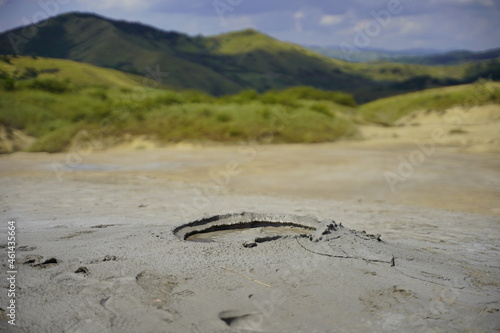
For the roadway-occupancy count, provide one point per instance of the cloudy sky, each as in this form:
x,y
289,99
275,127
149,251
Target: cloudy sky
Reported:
x,y
388,24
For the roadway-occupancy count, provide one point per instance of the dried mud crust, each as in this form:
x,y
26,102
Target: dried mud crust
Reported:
x,y
358,243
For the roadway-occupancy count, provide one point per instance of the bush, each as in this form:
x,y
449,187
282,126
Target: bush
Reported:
x,y
322,108
100,94
5,58
170,98
310,93
55,141
223,117
279,97
290,96
50,85
29,73
245,96
49,70
195,96
9,83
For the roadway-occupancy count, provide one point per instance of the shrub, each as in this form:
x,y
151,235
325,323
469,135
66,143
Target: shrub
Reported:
x,y
170,98
29,73
206,112
322,108
279,97
311,93
50,85
5,58
223,117
55,141
49,70
290,96
245,96
195,96
9,83
100,94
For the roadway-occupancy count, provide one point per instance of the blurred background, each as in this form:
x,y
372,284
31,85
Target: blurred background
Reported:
x,y
105,73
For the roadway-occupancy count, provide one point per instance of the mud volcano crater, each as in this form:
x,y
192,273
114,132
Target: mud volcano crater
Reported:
x,y
250,228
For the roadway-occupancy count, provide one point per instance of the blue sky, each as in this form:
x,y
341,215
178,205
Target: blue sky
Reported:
x,y
388,24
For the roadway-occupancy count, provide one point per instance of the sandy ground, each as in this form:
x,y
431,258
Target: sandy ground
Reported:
x,y
476,129
96,251
12,140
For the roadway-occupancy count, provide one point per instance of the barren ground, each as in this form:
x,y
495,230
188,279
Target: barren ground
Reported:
x,y
107,219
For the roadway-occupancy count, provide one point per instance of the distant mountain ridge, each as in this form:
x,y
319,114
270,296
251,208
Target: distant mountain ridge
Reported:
x,y
411,56
452,58
221,64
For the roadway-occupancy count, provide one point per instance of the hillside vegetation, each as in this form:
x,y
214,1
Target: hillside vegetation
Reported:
x,y
63,104
227,63
38,98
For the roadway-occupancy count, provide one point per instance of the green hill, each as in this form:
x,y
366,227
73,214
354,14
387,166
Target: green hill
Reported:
x,y
223,64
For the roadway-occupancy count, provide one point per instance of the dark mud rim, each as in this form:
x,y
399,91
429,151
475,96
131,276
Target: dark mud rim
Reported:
x,y
246,220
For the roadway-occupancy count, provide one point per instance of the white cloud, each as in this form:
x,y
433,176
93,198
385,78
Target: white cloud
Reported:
x,y
298,16
119,4
327,20
411,27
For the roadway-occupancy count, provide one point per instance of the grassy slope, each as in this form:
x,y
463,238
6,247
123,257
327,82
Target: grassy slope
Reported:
x,y
78,73
387,110
98,96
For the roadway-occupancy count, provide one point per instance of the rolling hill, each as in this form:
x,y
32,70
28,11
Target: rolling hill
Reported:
x,y
226,63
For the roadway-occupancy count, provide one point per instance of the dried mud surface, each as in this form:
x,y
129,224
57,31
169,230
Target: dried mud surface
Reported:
x,y
97,250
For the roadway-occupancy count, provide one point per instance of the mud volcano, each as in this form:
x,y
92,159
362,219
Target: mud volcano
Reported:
x,y
250,228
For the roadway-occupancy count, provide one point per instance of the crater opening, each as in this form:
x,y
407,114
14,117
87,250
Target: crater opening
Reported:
x,y
251,228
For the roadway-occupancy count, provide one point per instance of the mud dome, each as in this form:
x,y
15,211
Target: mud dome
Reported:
x,y
254,228
251,228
